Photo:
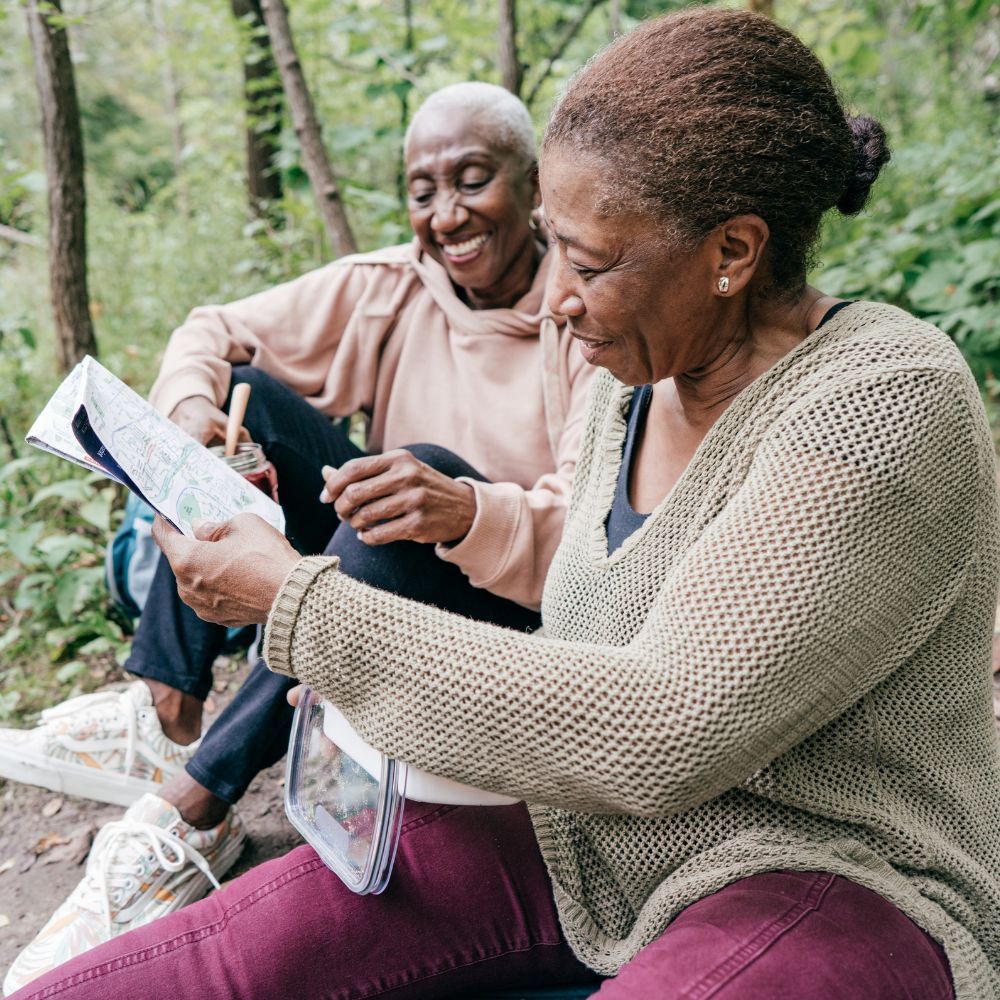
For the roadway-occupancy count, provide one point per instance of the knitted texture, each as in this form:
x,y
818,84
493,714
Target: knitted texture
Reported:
x,y
787,666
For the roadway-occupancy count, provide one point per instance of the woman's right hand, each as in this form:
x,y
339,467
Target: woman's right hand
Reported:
x,y
295,694
201,418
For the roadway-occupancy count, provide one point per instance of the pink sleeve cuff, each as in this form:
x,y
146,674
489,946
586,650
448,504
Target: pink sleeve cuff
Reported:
x,y
485,551
182,385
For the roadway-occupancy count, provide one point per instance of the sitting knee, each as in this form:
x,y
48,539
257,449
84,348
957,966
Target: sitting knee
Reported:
x,y
252,376
436,457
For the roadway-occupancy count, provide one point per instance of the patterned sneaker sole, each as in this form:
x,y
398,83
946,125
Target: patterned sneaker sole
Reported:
x,y
74,779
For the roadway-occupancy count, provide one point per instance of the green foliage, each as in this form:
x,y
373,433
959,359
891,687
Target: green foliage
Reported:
x,y
54,524
53,533
930,243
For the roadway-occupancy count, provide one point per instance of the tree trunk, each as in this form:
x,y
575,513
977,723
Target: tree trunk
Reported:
x,y
404,105
263,107
511,73
765,7
67,196
172,100
615,18
307,128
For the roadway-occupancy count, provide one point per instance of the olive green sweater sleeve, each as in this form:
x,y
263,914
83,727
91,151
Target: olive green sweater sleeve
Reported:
x,y
842,549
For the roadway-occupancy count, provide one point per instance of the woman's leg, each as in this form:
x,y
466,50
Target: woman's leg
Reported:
x,y
469,906
794,935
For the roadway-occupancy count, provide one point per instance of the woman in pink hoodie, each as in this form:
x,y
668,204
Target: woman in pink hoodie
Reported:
x,y
473,397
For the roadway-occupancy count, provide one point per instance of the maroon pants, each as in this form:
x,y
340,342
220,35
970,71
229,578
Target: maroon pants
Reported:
x,y
469,910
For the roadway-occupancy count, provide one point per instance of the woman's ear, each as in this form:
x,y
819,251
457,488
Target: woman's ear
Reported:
x,y
536,191
739,252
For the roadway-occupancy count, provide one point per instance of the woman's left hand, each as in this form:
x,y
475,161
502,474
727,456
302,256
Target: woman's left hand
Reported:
x,y
394,497
228,573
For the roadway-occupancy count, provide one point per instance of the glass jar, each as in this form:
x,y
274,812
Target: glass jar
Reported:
x,y
251,463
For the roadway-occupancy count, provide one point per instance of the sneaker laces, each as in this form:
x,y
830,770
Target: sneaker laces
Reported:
x,y
110,874
89,703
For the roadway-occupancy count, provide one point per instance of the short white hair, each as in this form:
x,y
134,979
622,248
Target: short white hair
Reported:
x,y
502,115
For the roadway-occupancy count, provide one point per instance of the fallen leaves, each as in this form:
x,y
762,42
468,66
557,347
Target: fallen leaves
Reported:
x,y
48,841
74,848
52,807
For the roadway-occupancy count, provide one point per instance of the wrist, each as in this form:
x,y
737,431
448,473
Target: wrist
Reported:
x,y
466,508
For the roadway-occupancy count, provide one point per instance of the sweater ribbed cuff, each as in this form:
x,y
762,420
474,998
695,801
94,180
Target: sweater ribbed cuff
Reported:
x,y
285,610
484,552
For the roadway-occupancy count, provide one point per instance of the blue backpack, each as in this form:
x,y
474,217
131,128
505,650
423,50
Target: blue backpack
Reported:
x,y
131,560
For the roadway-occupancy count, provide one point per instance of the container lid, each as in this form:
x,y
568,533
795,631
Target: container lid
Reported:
x,y
420,786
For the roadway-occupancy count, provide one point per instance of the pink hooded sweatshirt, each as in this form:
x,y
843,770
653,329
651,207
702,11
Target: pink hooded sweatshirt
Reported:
x,y
385,334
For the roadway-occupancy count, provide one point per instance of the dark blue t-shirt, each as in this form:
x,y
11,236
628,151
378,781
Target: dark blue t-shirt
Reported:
x,y
623,518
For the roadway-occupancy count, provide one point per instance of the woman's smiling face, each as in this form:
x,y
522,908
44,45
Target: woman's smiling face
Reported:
x,y
470,203
637,308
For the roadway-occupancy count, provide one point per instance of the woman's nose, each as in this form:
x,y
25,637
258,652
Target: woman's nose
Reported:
x,y
449,213
561,297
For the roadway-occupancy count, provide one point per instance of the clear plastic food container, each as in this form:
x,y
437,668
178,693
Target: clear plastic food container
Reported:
x,y
347,801
346,798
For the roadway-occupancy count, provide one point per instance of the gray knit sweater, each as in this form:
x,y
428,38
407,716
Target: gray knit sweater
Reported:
x,y
787,666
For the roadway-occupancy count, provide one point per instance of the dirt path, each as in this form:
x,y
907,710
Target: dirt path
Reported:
x,y
35,884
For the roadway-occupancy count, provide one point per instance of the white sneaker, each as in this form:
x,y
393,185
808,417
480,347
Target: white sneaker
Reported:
x,y
107,746
141,867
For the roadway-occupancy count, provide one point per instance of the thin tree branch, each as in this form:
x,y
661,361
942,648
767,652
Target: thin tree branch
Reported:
x,y
398,67
307,128
572,30
13,235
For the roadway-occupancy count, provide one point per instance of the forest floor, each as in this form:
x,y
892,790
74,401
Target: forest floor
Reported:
x,y
44,837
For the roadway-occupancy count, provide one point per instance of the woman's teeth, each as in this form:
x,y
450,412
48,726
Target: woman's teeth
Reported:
x,y
469,246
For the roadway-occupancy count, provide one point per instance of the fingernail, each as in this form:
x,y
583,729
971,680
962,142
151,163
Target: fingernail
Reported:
x,y
323,498
327,470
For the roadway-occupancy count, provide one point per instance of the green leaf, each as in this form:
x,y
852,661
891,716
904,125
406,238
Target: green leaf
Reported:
x,y
11,469
70,670
102,644
97,512
56,549
22,543
74,490
10,637
67,592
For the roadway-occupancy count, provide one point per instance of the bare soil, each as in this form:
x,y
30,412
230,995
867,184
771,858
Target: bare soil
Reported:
x,y
34,884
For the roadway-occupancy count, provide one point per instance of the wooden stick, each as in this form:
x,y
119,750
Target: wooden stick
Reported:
x,y
237,410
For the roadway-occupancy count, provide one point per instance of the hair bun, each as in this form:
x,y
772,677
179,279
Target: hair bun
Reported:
x,y
872,152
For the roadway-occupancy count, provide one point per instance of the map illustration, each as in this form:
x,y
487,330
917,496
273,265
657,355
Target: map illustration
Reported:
x,y
97,421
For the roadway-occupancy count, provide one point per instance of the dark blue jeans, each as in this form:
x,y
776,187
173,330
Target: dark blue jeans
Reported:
x,y
173,645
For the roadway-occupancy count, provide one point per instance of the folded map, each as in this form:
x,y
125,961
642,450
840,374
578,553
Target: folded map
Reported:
x,y
95,420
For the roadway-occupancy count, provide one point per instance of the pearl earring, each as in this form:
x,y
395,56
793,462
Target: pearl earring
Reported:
x,y
723,284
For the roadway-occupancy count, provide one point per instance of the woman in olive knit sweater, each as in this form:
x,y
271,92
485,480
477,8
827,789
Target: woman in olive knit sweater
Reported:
x,y
756,741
